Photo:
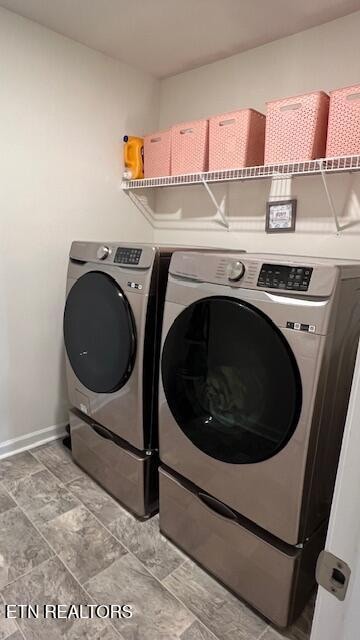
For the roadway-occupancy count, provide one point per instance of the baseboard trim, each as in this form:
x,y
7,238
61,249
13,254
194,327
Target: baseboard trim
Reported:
x,y
32,440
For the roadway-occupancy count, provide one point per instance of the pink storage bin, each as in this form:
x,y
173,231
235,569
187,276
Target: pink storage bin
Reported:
x,y
344,122
189,147
296,128
236,140
157,154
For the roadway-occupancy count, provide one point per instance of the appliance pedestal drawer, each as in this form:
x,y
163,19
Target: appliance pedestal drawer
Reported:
x,y
129,475
274,577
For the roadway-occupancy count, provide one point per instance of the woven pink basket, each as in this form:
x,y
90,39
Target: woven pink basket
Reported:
x,y
157,154
236,140
189,147
344,122
296,128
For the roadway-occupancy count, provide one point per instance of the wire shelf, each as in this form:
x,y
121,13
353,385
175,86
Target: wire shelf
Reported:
x,y
292,169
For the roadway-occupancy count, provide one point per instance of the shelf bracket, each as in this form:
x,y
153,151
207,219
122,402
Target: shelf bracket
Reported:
x,y
142,206
330,198
220,208
280,187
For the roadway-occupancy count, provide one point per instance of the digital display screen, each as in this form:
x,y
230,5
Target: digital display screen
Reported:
x,y
274,276
125,255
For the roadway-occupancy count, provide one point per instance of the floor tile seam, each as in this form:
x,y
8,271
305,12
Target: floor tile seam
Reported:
x,y
29,517
10,508
173,570
109,622
62,562
242,603
195,616
212,634
16,630
27,475
81,474
55,554
132,555
148,571
47,543
107,530
20,631
33,453
23,575
80,503
15,621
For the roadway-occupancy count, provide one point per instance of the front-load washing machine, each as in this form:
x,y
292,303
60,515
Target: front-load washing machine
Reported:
x,y
112,327
257,361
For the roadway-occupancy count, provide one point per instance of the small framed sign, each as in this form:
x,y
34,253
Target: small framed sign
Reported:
x,y
280,216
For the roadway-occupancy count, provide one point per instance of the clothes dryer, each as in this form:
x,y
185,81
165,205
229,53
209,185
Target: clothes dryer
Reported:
x,y
112,326
257,362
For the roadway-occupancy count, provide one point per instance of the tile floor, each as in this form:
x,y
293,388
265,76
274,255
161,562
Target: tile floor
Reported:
x,y
64,540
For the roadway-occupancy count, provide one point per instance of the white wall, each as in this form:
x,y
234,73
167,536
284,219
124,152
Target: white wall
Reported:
x,y
324,57
63,110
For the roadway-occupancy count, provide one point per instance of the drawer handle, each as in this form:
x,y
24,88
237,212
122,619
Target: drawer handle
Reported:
x,y
182,131
215,505
103,433
353,96
224,123
155,139
77,261
291,107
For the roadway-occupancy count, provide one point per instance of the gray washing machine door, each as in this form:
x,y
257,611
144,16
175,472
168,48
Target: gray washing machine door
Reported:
x,y
231,380
99,333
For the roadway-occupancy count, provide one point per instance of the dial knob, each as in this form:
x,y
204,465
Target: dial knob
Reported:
x,y
103,252
235,271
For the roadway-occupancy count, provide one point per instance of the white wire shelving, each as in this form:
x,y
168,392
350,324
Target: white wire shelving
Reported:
x,y
321,167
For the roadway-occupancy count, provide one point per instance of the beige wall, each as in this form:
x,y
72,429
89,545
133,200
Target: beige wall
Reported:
x,y
325,57
63,110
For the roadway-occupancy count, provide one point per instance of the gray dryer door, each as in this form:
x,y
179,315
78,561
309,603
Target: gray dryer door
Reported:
x,y
231,380
99,333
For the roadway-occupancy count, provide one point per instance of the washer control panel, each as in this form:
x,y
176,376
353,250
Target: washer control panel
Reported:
x,y
127,255
273,276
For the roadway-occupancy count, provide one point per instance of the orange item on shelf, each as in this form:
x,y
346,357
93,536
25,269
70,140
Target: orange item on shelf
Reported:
x,y
133,157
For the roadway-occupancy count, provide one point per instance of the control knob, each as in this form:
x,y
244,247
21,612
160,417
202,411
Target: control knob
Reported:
x,y
235,271
102,252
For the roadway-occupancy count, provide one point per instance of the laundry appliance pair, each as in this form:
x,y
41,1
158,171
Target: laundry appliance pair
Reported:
x,y
256,368
112,331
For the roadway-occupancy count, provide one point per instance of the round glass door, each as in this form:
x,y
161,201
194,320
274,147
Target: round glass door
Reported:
x,y
99,333
231,380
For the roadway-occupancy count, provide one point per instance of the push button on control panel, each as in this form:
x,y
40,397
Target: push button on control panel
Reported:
x,y
274,276
127,255
300,326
